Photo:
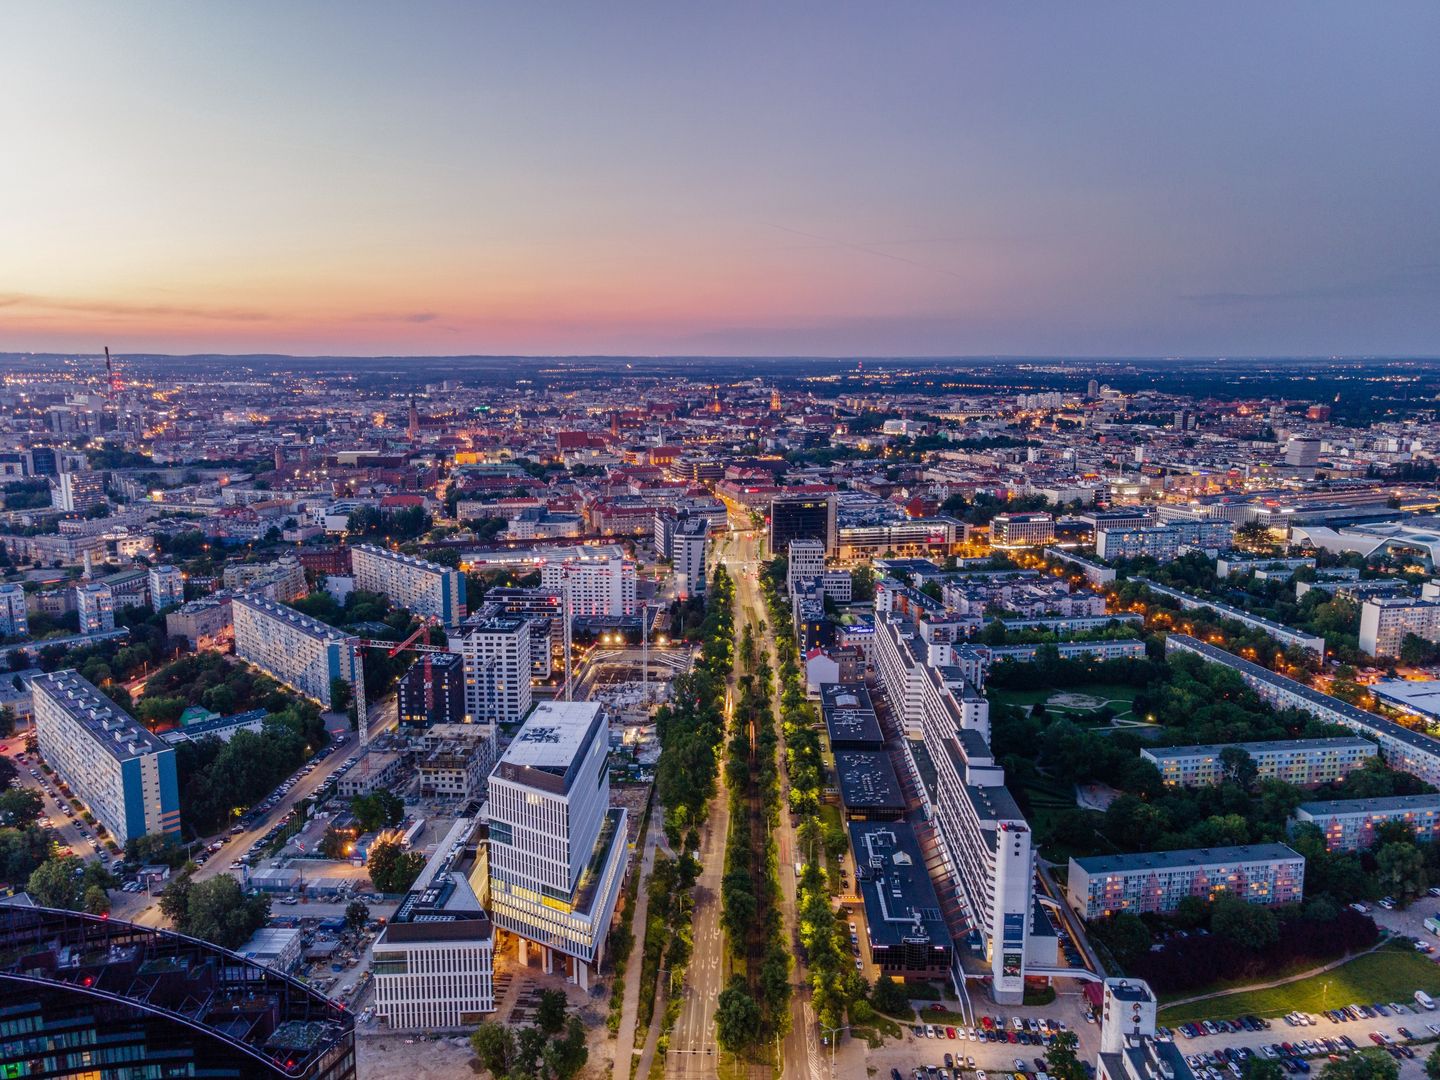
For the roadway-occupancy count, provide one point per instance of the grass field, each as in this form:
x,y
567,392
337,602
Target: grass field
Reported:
x,y
1118,697
1391,974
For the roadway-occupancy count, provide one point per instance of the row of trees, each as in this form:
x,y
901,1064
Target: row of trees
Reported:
x,y
691,724
838,991
217,909
755,1007
552,1048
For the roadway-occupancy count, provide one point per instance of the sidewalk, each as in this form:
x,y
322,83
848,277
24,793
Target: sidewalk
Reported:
x,y
625,1037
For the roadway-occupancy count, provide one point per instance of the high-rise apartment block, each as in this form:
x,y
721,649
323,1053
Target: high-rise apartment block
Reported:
x,y
432,691
422,587
557,847
303,653
78,492
1385,622
14,619
123,773
600,580
167,586
1352,824
1164,543
95,605
496,651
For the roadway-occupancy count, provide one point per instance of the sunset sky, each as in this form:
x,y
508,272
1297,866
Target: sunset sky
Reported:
x,y
820,178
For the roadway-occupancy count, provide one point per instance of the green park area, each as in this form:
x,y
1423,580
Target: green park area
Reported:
x,y
1072,702
1392,973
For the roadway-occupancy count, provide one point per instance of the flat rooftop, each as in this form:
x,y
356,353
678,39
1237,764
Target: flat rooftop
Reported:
x,y
314,627
1391,804
407,560
1275,746
900,902
868,780
1187,857
549,747
850,715
1418,695
110,726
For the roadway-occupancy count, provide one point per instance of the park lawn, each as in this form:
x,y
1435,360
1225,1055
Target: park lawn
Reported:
x,y
1393,973
1119,697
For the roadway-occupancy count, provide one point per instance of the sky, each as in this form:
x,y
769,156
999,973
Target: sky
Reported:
x,y
826,178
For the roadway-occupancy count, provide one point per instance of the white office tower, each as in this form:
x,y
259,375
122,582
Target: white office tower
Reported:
x,y
14,620
692,535
557,846
806,560
496,650
95,603
303,653
601,580
434,962
167,587
423,588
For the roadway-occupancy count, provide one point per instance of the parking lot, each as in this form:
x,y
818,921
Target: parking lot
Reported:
x,y
1312,1042
976,1050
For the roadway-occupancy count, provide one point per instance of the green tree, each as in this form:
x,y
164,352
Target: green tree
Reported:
x,y
889,996
56,883
1248,925
154,848
1238,767
1126,936
96,901
1062,1060
737,1017
391,870
1258,1068
356,915
1432,1063
216,910
565,1057
494,1045
1366,1065
20,806
1400,871
341,694
550,1014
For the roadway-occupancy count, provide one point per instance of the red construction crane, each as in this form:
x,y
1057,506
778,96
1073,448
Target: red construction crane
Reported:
x,y
392,648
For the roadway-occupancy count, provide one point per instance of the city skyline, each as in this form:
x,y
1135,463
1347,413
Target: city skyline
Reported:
x,y
1117,181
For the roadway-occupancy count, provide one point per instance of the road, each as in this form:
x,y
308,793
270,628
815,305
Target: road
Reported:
x,y
801,1055
140,908
68,828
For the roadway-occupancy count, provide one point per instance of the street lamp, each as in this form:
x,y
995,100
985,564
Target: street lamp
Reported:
x,y
832,1032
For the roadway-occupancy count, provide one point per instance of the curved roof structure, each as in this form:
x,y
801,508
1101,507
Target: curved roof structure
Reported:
x,y
230,1009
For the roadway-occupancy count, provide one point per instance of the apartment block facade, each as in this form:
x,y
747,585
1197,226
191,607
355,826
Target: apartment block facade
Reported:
x,y
420,586
303,653
1156,881
1303,762
123,773
496,653
1350,824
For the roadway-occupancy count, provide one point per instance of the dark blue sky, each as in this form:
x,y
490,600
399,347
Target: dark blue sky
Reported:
x,y
828,178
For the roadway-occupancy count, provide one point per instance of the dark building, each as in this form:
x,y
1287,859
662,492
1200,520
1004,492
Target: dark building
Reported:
x,y
869,788
443,702
906,932
44,461
326,560
87,996
801,517
850,717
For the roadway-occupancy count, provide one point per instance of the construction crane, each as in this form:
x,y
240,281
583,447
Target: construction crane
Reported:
x,y
418,642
